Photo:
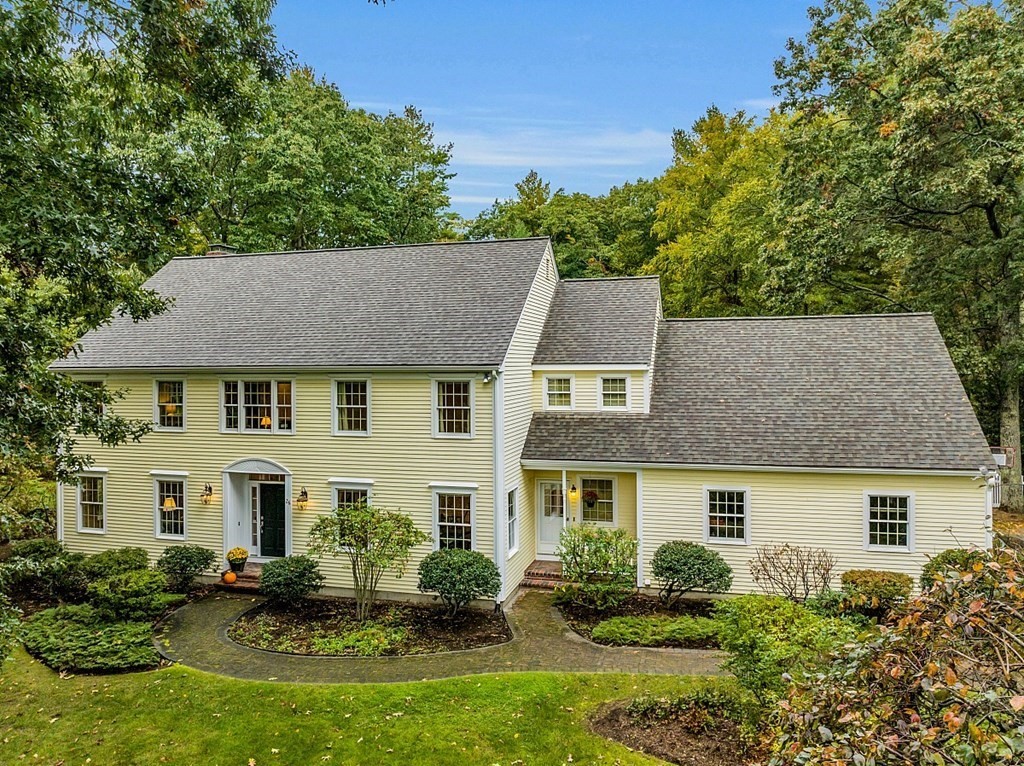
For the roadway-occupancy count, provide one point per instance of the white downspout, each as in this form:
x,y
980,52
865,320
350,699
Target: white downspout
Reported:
x,y
566,502
500,527
639,528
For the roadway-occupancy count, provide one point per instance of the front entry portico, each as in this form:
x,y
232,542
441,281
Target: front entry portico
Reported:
x,y
257,508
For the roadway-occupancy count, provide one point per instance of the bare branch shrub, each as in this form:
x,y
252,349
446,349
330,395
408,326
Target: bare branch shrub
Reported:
x,y
791,571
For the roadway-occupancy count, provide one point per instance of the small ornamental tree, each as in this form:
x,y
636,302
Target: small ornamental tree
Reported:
x,y
791,571
458,577
374,540
943,685
683,566
598,566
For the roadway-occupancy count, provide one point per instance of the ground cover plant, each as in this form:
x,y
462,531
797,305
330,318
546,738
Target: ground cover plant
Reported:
x,y
685,632
181,716
333,627
584,620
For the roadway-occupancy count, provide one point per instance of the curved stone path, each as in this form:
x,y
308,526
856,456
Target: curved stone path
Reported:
x,y
196,636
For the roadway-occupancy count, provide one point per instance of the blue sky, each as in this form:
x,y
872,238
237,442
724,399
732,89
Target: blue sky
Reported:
x,y
585,92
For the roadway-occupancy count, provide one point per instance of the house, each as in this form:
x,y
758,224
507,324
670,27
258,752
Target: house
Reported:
x,y
471,387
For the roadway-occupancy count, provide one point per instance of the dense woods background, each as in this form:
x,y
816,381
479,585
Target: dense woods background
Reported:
x,y
888,179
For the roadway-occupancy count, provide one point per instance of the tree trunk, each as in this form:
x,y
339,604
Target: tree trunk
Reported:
x,y
1009,413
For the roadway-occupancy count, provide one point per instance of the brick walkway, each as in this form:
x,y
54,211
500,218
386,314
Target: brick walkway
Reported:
x,y
196,635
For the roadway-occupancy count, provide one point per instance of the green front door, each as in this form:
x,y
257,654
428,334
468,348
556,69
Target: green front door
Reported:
x,y
272,520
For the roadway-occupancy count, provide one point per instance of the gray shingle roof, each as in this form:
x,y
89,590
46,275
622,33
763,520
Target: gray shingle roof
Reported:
x,y
601,321
852,391
445,305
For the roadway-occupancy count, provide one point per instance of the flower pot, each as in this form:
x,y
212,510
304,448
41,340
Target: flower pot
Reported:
x,y
237,566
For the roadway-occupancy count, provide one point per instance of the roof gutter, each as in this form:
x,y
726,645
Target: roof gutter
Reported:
x,y
543,465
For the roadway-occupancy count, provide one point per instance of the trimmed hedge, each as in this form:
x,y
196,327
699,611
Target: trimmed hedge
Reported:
x,y
682,566
685,632
76,639
458,577
37,549
132,596
290,580
182,564
115,561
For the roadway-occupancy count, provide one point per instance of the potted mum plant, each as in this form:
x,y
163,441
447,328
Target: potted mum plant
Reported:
x,y
236,558
590,497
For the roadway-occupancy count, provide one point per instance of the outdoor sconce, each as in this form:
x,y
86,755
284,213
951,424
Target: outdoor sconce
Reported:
x,y
574,493
206,496
302,500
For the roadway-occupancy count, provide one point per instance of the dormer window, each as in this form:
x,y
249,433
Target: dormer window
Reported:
x,y
614,392
558,392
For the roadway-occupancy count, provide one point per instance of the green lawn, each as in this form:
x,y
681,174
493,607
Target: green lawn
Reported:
x,y
182,716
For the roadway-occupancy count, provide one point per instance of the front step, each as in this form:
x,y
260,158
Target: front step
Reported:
x,y
543,574
248,580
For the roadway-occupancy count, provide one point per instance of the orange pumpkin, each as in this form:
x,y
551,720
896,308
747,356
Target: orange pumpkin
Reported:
x,y
230,577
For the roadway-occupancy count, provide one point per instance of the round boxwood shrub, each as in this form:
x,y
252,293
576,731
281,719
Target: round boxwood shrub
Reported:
x,y
874,592
290,580
136,595
953,560
458,577
182,564
115,561
683,566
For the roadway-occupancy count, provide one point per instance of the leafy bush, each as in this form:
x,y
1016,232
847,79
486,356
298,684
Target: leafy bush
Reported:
x,y
374,540
9,627
791,571
59,578
135,596
686,632
114,562
943,685
182,564
77,639
290,580
598,565
768,637
371,640
874,593
951,561
697,709
458,577
682,566
37,549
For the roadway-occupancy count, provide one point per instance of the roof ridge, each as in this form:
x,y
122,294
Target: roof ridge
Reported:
x,y
616,278
801,316
395,246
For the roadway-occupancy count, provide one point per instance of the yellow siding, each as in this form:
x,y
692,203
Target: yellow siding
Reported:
x,y
585,387
517,382
625,493
401,457
813,509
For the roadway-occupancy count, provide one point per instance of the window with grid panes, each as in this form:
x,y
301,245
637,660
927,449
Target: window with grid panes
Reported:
x,y
170,403
345,497
170,507
512,519
454,520
352,401
454,407
613,393
284,406
559,392
602,509
727,514
889,521
230,399
258,405
90,502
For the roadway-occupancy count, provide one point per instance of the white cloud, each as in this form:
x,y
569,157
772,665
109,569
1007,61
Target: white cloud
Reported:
x,y
474,199
545,147
759,104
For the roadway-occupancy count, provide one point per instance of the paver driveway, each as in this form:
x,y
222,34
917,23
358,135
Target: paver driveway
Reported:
x,y
196,635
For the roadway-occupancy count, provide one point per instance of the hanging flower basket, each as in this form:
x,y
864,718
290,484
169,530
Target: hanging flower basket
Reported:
x,y
590,497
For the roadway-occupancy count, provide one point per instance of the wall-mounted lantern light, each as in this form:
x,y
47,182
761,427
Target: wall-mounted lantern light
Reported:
x,y
573,493
302,500
206,496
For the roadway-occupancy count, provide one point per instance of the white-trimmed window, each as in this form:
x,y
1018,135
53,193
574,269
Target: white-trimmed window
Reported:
x,y
613,392
170,498
169,406
727,515
352,407
257,406
92,503
97,385
512,521
347,492
453,518
889,521
453,408
559,392
597,500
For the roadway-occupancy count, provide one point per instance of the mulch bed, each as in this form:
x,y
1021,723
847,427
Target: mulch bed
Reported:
x,y
675,742
583,620
413,628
